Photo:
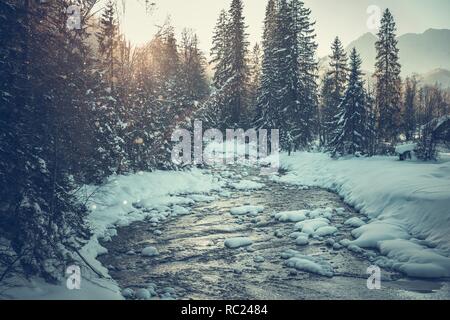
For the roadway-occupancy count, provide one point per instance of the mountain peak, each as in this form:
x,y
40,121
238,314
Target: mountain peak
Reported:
x,y
419,52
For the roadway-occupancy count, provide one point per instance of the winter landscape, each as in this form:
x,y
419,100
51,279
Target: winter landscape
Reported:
x,y
224,150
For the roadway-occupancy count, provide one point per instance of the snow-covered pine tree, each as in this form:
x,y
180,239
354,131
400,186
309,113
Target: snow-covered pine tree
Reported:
x,y
388,81
109,110
371,122
409,108
193,70
43,220
426,147
287,77
336,81
255,62
308,113
238,97
219,51
325,100
266,100
350,133
230,52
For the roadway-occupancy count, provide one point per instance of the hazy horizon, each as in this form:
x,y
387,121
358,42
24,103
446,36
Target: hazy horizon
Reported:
x,y
346,18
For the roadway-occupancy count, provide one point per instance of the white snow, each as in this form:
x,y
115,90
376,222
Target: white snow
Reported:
x,y
368,236
128,293
149,252
179,210
142,294
243,210
238,242
415,260
310,226
309,264
402,148
404,200
302,240
325,231
354,222
291,216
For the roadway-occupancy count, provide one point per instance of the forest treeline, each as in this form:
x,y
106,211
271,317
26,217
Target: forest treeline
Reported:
x,y
80,105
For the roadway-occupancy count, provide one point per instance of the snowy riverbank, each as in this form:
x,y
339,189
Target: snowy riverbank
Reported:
x,y
408,204
121,201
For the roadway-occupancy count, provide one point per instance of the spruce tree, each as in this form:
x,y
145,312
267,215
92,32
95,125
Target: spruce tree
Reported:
x,y
350,134
388,81
336,81
266,100
409,109
109,110
230,53
255,65
237,99
288,95
308,115
193,69
219,51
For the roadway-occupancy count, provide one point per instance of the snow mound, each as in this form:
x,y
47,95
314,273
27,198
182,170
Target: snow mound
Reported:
x,y
149,252
321,212
234,243
302,240
291,216
310,226
179,210
251,210
202,198
369,235
142,294
354,222
325,231
128,293
310,264
402,148
415,260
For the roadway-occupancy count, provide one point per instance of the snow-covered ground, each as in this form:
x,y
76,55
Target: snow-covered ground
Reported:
x,y
408,204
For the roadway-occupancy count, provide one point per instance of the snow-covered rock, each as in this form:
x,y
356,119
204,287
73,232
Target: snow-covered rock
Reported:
x,y
251,210
310,226
128,293
325,231
354,222
291,216
149,252
302,240
238,242
301,262
143,294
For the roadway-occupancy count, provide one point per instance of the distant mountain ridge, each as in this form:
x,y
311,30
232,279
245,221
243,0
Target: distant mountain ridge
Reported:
x,y
419,53
437,76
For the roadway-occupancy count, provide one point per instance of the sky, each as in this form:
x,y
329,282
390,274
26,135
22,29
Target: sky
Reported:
x,y
347,19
